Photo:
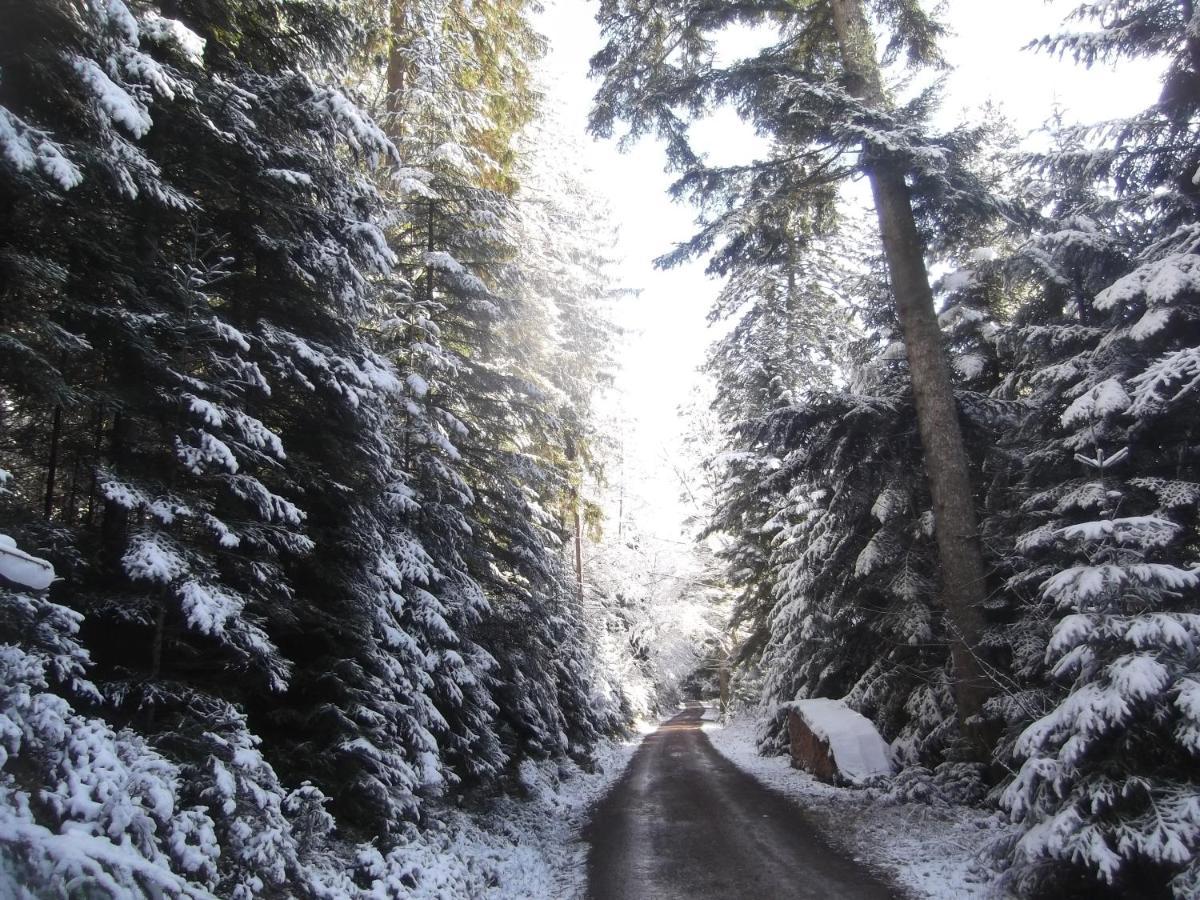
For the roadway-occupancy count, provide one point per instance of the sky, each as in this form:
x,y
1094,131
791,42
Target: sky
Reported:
x,y
666,325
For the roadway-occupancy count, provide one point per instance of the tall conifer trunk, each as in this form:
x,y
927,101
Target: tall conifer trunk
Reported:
x,y
396,66
946,466
52,462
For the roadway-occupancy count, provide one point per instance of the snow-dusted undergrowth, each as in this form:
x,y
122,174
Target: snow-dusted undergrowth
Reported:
x,y
518,849
932,852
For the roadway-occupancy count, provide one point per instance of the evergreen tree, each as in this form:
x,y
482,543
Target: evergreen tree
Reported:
x,y
1104,569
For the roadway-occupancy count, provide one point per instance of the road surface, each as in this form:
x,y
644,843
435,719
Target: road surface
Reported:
x,y
684,823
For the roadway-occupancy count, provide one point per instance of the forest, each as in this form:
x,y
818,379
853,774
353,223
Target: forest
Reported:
x,y
310,560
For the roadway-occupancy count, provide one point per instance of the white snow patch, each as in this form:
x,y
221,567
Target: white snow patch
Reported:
x,y
1106,398
855,743
933,852
162,30
957,281
1159,282
969,365
113,99
290,176
418,385
27,149
20,568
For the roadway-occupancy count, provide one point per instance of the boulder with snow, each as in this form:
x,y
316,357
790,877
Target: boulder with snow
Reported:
x,y
836,744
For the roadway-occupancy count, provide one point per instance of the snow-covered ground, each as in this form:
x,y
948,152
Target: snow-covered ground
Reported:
x,y
931,852
519,849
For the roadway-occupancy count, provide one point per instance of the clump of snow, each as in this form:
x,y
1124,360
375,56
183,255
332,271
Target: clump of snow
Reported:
x,y
1159,282
931,851
958,280
27,149
290,176
113,100
859,750
1105,399
969,365
418,385
20,568
161,30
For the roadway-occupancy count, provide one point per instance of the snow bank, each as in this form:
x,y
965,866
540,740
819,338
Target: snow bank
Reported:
x,y
932,852
858,749
518,849
20,568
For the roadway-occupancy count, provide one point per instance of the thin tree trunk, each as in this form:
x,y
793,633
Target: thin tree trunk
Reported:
x,y
621,497
115,523
52,462
1188,10
156,657
396,64
578,544
947,470
71,502
97,441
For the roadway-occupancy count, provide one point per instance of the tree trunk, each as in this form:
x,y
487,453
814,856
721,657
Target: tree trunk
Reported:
x,y
1187,9
946,466
397,66
114,525
578,544
52,462
97,442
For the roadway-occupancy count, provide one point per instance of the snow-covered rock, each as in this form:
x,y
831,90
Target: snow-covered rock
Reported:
x,y
835,743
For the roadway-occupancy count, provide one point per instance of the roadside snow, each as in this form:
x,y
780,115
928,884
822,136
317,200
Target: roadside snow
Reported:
x,y
857,747
931,852
517,849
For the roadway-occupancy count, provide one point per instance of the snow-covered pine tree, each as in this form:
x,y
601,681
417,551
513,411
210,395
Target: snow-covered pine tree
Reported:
x,y
1104,648
785,345
486,269
210,257
82,807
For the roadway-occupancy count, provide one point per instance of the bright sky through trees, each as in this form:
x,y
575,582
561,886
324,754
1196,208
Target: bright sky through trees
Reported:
x,y
667,330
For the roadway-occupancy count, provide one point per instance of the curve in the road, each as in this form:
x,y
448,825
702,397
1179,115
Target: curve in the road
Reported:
x,y
684,823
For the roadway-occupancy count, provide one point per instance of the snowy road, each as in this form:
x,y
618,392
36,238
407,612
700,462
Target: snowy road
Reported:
x,y
685,823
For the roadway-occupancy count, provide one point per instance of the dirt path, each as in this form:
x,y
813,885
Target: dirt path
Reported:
x,y
684,822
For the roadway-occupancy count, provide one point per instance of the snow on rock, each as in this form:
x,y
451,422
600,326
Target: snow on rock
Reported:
x,y
933,852
20,568
848,739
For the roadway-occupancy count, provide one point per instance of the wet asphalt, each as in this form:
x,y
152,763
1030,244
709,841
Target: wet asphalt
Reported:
x,y
684,823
